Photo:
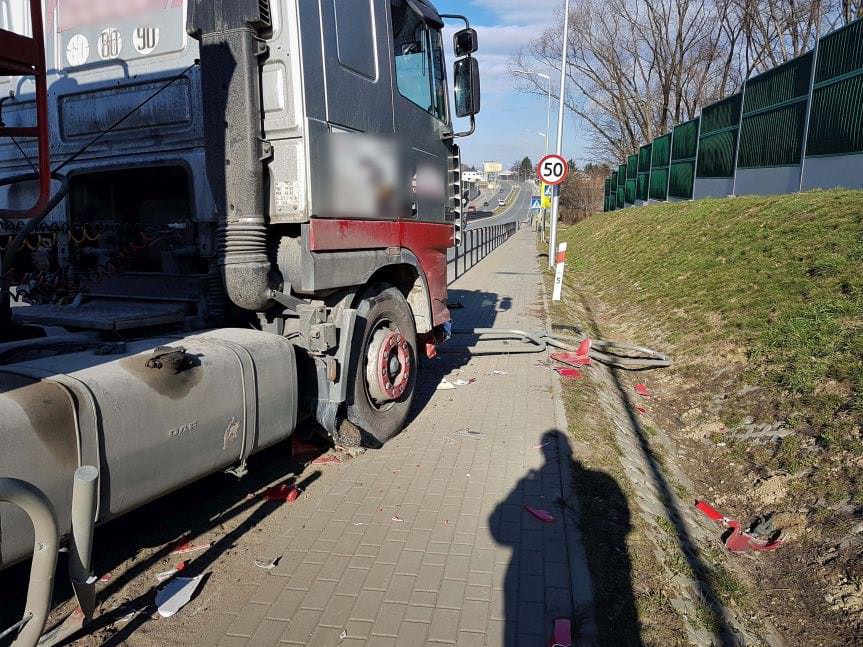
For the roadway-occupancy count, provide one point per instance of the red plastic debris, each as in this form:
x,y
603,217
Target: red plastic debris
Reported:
x,y
641,410
571,373
737,540
573,359
185,546
542,515
562,636
583,349
283,492
327,459
642,390
107,577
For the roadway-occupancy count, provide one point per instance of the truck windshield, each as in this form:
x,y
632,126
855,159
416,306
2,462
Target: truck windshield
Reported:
x,y
420,71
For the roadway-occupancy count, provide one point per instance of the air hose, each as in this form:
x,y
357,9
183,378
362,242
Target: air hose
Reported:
x,y
611,353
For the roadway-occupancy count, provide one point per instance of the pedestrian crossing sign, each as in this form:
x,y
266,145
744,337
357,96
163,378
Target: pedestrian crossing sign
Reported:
x,y
535,202
547,192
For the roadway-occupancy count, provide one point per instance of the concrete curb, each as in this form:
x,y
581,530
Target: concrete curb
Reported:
x,y
581,586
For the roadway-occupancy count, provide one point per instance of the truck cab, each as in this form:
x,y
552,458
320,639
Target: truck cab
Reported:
x,y
236,185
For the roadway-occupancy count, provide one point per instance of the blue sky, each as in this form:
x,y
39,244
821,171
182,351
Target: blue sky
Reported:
x,y
509,120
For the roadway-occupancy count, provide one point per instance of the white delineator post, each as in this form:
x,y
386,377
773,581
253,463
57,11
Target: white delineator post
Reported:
x,y
560,259
556,198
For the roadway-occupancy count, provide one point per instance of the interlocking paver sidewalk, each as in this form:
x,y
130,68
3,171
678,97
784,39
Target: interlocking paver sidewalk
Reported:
x,y
427,541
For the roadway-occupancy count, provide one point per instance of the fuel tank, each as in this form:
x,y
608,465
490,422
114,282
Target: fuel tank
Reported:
x,y
154,415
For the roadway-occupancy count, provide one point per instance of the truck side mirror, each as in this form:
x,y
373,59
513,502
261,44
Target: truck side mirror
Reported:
x,y
465,42
466,87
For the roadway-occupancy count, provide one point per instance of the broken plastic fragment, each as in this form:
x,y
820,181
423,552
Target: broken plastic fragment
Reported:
x,y
445,385
268,564
641,410
541,445
570,373
542,515
642,390
283,492
583,349
497,372
397,518
176,594
464,382
184,546
573,359
327,459
344,634
164,575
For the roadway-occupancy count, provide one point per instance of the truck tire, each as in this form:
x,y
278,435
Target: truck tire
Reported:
x,y
384,363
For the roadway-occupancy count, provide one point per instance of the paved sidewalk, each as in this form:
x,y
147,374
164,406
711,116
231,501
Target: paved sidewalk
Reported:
x,y
427,541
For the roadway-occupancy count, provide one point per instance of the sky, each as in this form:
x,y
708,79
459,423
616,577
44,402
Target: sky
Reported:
x,y
509,120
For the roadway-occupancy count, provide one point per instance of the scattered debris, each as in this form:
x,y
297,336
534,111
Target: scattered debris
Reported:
x,y
185,546
164,575
738,541
497,372
283,492
176,594
642,390
445,385
542,515
569,373
641,410
469,433
268,564
465,382
573,359
107,577
327,459
541,445
397,518
344,634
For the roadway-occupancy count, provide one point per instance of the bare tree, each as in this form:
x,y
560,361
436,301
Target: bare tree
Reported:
x,y
637,67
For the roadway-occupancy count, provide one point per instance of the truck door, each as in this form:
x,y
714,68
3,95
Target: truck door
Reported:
x,y
359,88
421,113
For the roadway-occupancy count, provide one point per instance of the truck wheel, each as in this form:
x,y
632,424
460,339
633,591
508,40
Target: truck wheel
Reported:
x,y
383,364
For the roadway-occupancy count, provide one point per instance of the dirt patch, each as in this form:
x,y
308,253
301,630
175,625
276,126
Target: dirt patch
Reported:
x,y
743,447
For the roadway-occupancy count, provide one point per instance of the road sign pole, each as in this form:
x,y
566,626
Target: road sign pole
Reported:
x,y
556,198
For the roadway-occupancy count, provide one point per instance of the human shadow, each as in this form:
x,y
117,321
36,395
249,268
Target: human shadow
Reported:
x,y
542,581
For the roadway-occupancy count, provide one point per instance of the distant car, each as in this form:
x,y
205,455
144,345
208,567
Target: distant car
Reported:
x,y
485,204
501,203
471,209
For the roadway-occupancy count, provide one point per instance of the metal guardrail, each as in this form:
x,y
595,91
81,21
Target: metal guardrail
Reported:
x,y
478,243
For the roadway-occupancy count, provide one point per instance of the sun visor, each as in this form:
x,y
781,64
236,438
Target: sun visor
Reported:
x,y
427,11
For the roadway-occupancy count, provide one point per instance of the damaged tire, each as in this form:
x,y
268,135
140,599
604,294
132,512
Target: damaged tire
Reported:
x,y
384,363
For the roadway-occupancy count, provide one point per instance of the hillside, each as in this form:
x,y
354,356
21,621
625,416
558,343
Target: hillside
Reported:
x,y
759,300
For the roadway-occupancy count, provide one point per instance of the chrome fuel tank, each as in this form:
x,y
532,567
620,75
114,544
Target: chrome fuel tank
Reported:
x,y
154,415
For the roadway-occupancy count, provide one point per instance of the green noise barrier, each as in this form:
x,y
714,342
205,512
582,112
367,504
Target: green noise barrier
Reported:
x,y
684,149
774,115
717,146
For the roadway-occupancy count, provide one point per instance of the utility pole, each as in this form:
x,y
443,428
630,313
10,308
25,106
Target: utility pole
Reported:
x,y
555,201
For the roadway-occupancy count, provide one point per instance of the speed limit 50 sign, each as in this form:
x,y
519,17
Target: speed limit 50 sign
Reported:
x,y
553,169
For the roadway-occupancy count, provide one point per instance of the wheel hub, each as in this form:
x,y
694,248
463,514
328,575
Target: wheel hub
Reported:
x,y
389,365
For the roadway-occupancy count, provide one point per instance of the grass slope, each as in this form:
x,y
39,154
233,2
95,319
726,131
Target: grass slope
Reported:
x,y
778,278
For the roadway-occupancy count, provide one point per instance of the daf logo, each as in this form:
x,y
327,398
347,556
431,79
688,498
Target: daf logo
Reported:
x,y
182,430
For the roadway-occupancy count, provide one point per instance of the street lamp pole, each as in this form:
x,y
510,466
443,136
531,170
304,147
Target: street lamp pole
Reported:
x,y
555,203
547,102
